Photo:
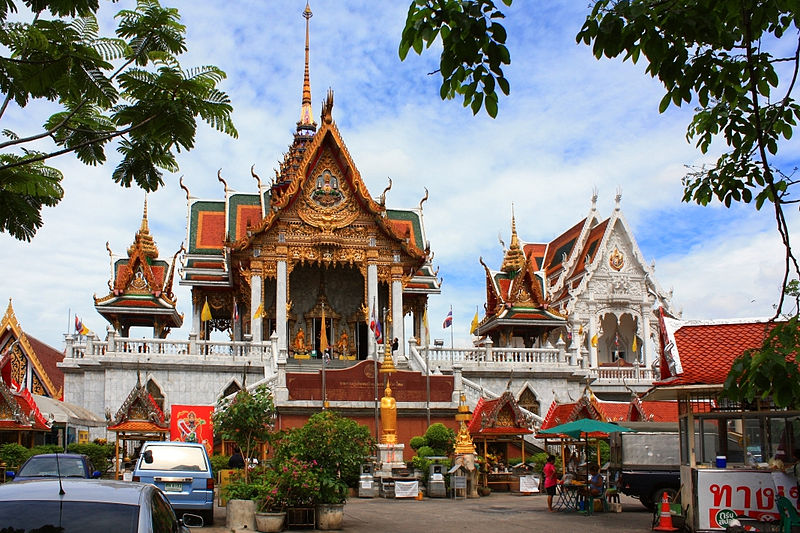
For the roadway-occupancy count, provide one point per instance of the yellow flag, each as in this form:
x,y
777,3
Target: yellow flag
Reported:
x,y
633,348
323,336
474,325
205,316
259,311
427,339
594,340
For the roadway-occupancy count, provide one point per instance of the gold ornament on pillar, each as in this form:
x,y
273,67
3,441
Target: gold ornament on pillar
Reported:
x,y
388,403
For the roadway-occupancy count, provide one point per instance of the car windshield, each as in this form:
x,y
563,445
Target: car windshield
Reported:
x,y
33,516
47,467
175,458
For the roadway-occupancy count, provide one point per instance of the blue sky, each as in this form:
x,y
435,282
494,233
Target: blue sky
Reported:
x,y
571,124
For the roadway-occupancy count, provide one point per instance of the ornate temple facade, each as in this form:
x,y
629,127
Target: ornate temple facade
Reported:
x,y
590,287
311,241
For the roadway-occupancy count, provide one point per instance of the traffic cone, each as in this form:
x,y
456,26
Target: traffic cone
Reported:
x,y
664,516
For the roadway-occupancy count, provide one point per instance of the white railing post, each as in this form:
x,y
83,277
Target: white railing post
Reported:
x,y
69,342
562,352
458,382
584,357
487,346
193,343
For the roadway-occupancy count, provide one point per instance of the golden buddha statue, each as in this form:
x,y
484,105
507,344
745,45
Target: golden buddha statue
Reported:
x,y
300,342
388,417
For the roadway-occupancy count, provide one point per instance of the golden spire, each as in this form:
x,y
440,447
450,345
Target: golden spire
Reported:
x,y
143,239
306,120
514,261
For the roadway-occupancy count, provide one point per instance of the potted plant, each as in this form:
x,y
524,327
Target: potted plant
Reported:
x,y
290,483
336,446
248,420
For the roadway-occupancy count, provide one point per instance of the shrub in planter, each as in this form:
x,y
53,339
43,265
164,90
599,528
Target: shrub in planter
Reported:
x,y
335,445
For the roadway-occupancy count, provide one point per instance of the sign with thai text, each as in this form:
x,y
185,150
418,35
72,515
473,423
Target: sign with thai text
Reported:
x,y
724,494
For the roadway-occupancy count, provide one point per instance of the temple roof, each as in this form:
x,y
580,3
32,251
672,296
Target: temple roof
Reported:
x,y
589,406
139,412
18,350
141,285
501,416
705,350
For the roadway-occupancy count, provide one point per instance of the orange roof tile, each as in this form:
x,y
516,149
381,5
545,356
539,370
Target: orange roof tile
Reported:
x,y
707,351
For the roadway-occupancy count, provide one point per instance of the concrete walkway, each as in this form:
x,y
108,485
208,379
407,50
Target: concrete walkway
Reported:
x,y
497,513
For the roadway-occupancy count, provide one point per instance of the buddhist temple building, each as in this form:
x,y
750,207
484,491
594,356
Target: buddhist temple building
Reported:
x,y
303,282
311,239
590,287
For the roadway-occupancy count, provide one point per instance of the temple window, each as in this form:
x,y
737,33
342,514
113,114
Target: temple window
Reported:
x,y
231,389
528,401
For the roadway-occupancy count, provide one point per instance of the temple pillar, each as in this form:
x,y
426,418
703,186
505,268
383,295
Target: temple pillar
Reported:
x,y
281,319
397,316
256,324
372,302
592,347
197,309
647,357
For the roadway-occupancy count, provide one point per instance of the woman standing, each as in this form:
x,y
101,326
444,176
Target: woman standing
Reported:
x,y
550,480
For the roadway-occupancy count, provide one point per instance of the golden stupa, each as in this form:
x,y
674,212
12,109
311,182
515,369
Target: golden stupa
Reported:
x,y
388,403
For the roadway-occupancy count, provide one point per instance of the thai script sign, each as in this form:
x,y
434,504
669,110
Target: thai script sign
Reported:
x,y
722,495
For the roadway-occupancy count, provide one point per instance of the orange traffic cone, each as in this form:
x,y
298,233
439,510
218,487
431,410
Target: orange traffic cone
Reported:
x,y
664,516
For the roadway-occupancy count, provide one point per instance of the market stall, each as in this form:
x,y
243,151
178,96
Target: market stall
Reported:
x,y
735,459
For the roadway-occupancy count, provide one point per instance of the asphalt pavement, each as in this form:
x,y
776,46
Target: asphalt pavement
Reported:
x,y
497,513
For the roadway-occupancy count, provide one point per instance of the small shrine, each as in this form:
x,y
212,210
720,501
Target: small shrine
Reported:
x,y
141,288
140,418
499,427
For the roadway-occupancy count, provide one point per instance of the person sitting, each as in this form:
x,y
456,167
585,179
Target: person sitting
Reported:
x,y
595,486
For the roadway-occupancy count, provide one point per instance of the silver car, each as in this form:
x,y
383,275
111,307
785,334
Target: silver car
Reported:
x,y
86,505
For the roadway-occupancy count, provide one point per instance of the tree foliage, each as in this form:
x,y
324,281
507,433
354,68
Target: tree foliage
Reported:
x,y
129,89
337,445
474,49
248,419
737,61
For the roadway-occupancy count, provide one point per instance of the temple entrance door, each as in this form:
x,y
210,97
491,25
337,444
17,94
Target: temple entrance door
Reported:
x,y
362,340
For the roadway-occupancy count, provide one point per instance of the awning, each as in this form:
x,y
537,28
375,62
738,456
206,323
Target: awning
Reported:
x,y
67,413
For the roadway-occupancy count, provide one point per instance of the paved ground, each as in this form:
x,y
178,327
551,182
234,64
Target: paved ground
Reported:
x,y
497,513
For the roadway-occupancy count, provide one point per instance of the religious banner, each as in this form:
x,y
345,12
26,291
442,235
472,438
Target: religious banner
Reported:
x,y
192,423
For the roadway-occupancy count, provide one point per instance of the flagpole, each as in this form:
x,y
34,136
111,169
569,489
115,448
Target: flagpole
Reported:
x,y
324,362
427,375
452,327
69,318
375,370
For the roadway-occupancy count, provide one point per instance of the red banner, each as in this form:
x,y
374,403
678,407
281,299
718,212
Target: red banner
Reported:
x,y
192,423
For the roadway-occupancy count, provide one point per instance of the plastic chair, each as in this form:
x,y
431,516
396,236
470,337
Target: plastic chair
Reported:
x,y
789,516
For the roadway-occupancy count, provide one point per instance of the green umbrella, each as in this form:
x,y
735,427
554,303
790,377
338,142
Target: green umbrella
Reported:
x,y
585,427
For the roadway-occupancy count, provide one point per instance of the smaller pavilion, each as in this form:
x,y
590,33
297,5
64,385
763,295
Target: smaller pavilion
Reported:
x,y
141,288
498,427
138,419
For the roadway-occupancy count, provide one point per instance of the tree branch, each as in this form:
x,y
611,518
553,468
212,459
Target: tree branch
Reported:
x,y
44,157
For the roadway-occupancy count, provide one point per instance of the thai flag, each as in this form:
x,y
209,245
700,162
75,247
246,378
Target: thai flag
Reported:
x,y
375,326
448,321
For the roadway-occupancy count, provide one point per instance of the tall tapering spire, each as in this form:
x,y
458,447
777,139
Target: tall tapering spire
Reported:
x,y
306,119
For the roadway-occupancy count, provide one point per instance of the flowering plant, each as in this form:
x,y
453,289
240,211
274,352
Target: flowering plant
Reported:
x,y
290,482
